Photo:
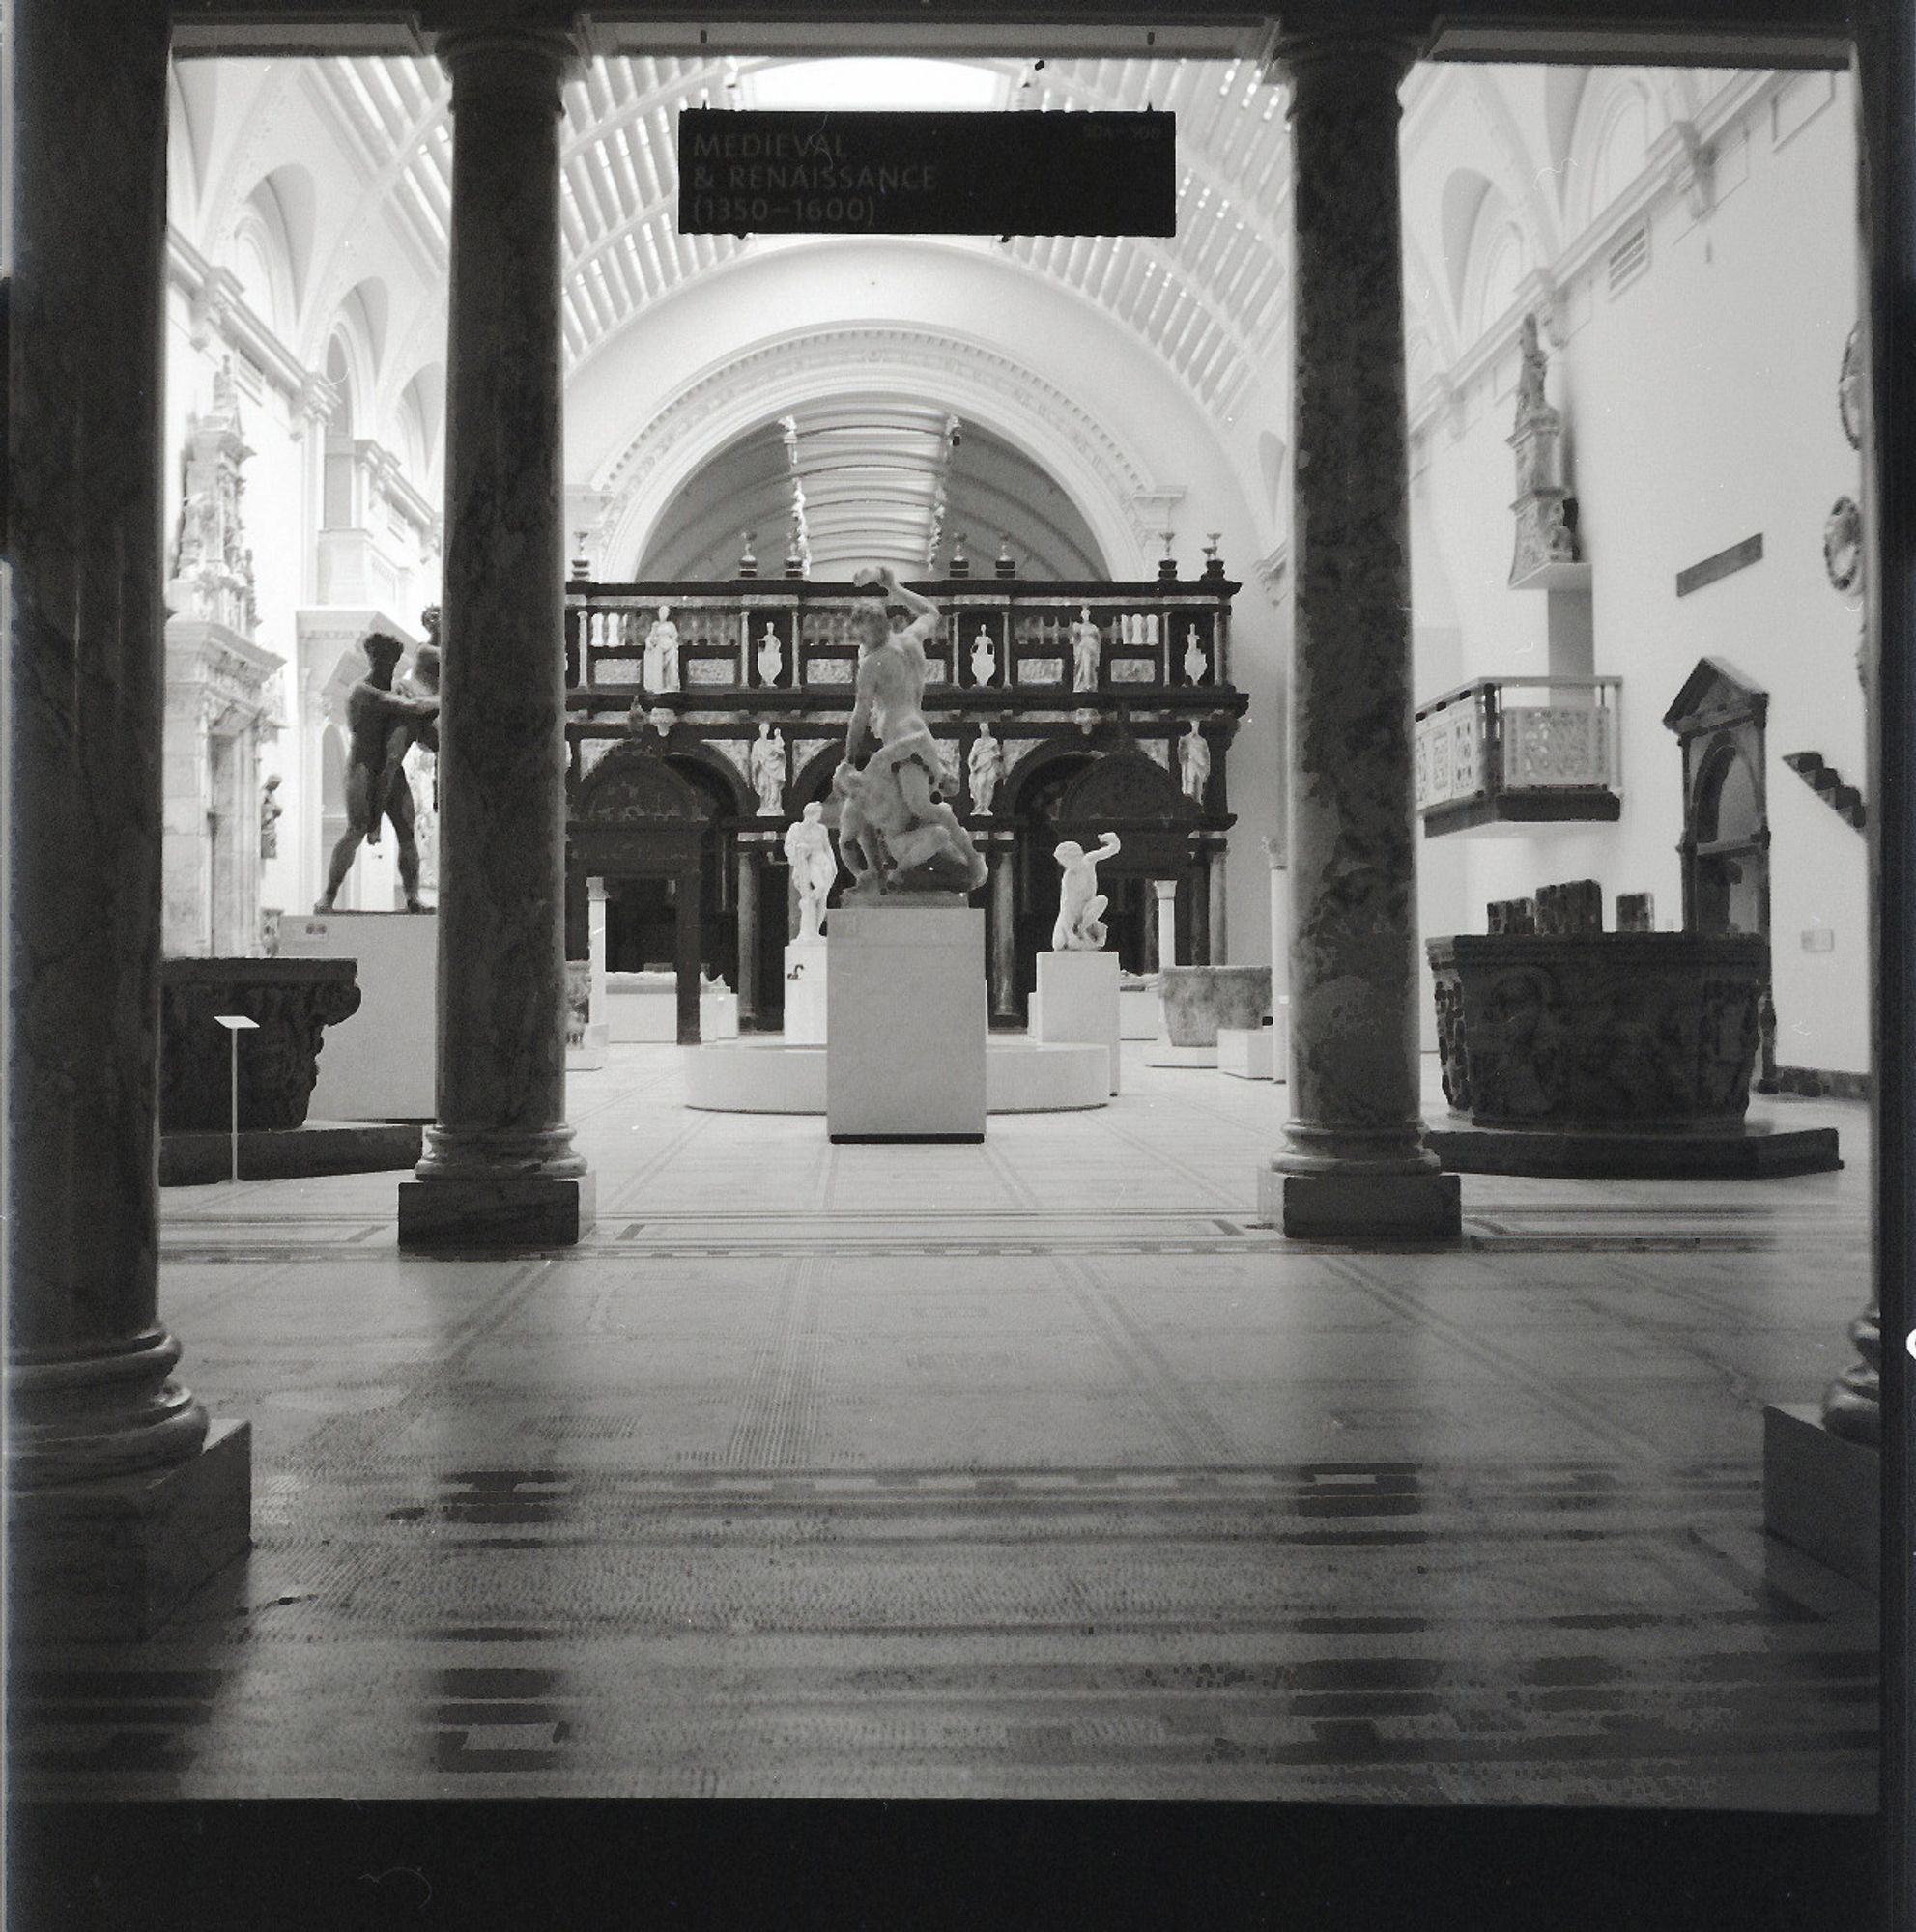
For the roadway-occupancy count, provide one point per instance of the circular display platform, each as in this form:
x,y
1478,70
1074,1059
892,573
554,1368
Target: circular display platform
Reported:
x,y
766,1075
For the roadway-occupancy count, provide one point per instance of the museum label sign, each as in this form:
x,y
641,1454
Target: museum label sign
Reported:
x,y
867,173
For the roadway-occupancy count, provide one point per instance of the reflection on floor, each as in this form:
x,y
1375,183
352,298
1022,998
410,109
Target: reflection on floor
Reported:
x,y
1032,1468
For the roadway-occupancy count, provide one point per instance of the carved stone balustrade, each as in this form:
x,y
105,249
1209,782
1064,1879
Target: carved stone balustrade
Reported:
x,y
292,999
1507,750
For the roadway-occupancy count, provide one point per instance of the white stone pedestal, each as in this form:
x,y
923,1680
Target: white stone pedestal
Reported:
x,y
1076,1002
804,979
718,1015
1258,1053
907,1023
587,1053
377,1064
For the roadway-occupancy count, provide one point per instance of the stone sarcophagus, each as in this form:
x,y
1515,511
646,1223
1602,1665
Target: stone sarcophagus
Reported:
x,y
294,1001
1650,1032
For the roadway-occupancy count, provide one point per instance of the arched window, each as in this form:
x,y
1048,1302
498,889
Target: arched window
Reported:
x,y
1623,138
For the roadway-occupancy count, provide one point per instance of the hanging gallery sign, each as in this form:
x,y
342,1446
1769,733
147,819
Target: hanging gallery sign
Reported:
x,y
870,173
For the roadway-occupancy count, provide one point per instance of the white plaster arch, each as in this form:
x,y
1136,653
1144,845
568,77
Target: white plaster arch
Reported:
x,y
1609,95
256,253
1105,481
1492,278
1524,169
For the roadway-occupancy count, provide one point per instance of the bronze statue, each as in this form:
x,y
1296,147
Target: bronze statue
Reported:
x,y
375,788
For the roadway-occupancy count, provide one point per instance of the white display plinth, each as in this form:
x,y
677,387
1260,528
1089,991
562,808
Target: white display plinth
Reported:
x,y
377,1064
718,1015
1137,1012
765,1074
805,980
587,1054
1244,1052
907,1023
1076,1002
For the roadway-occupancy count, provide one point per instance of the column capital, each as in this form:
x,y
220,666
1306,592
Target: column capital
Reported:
x,y
509,59
1296,50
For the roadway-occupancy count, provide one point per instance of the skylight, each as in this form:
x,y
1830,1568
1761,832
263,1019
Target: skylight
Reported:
x,y
855,83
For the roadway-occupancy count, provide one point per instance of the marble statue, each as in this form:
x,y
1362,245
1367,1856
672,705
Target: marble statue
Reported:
x,y
1080,924
373,709
1087,644
1529,378
986,763
771,655
895,832
1197,660
1193,763
815,868
272,811
768,770
983,659
662,653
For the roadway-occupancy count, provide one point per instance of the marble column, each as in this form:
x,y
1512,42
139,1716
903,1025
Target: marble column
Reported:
x,y
748,938
1280,920
596,929
998,854
1352,1163
1219,925
122,1496
499,1167
1167,920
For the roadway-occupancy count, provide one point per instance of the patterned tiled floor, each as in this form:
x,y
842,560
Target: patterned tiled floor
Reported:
x,y
1029,1469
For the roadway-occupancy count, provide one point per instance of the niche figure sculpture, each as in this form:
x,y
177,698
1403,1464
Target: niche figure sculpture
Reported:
x,y
1197,665
768,770
815,868
983,659
662,652
985,763
1080,926
771,656
271,813
374,713
1193,762
1087,643
895,832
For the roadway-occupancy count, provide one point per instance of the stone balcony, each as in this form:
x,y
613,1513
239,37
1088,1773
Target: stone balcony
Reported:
x,y
1511,750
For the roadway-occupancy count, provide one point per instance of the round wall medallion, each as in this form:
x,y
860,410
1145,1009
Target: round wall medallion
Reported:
x,y
1849,388
1842,544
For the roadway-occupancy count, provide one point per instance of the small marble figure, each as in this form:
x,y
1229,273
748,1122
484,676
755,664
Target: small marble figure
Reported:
x,y
662,653
1197,660
771,656
815,868
271,813
1087,646
986,764
768,770
372,709
1193,763
983,659
1080,922
895,832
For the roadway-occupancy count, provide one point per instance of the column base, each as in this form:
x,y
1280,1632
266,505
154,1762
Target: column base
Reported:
x,y
503,1210
111,1561
1339,1207
1822,1492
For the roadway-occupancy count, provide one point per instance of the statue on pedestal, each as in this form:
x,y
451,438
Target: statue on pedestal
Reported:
x,y
983,659
1193,762
374,712
662,653
985,763
1087,646
272,811
768,770
1197,660
771,656
1081,923
403,733
895,832
815,868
